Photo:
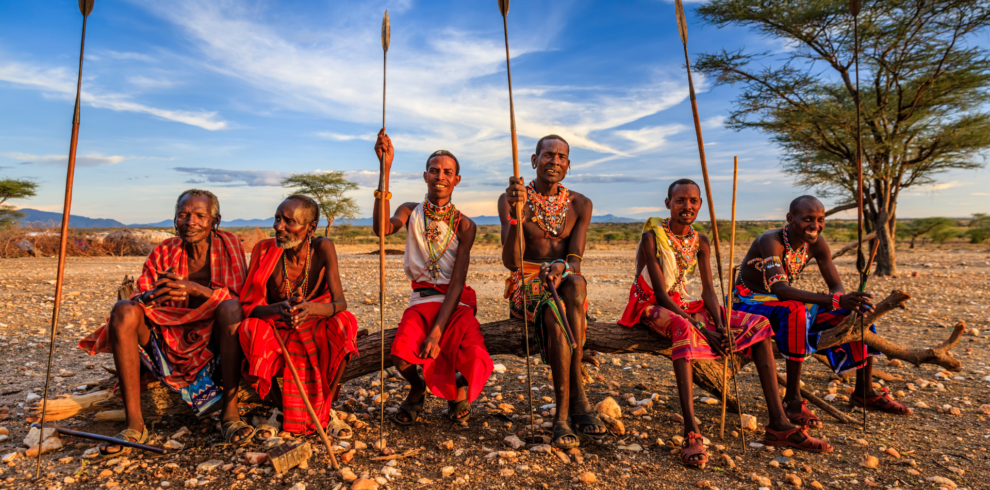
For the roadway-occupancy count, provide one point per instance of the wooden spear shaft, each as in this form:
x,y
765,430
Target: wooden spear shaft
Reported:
x,y
682,28
503,6
85,8
854,6
728,298
386,39
305,398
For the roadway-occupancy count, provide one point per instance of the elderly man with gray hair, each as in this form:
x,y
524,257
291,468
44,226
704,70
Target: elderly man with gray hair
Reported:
x,y
181,323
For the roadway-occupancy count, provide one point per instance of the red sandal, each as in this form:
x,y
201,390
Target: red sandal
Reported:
x,y
781,438
693,446
881,403
804,417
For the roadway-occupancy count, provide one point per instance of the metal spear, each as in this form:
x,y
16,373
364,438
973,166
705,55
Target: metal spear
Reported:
x,y
85,7
386,37
682,30
503,7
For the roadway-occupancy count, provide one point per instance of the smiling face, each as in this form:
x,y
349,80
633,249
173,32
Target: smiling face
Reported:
x,y
806,220
552,163
194,219
293,224
441,178
684,203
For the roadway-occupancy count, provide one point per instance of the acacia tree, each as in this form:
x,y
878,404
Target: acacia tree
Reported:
x,y
924,78
327,189
13,189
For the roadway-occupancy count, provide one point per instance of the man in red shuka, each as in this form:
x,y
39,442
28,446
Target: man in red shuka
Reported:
x,y
439,329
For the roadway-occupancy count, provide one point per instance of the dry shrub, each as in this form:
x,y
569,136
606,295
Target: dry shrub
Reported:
x,y
250,238
44,242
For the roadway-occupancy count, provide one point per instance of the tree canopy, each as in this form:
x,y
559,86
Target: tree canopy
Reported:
x,y
13,189
328,189
924,73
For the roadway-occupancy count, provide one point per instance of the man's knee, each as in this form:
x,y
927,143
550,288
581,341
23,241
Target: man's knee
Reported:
x,y
229,315
574,290
400,363
125,316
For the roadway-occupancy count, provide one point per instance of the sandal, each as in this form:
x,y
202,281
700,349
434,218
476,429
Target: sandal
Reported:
x,y
124,435
590,419
882,403
273,432
804,417
781,438
693,445
560,431
454,408
230,429
337,426
411,410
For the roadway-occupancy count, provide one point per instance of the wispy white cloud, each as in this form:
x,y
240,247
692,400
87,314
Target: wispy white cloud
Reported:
x,y
643,209
251,178
979,194
91,160
369,178
62,83
151,83
329,135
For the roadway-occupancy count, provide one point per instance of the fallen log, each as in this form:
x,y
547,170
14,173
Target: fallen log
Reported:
x,y
505,337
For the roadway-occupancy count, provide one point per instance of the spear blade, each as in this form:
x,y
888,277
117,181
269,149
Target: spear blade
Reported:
x,y
503,6
86,6
386,31
854,6
681,21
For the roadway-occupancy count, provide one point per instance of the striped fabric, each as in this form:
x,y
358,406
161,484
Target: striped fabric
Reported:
x,y
798,327
687,342
316,348
184,332
536,299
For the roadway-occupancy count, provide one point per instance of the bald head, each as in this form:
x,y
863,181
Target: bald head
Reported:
x,y
805,204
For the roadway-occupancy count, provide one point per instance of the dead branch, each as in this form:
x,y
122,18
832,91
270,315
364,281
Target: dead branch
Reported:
x,y
822,404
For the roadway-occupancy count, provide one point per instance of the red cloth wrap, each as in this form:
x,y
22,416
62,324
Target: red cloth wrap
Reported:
x,y
462,347
316,348
186,331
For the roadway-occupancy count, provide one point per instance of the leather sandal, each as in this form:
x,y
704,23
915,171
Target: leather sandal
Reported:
x,y
454,408
412,410
803,418
560,431
693,445
230,429
881,403
781,438
590,419
129,435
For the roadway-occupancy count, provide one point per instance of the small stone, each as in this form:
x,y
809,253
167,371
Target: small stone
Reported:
x,y
179,433
920,405
448,470
208,466
192,482
815,484
727,460
609,407
985,409
893,452
614,425
255,458
68,480
793,480
347,474
787,453
760,480
49,445
943,481
774,463
870,462
35,433
499,368
748,422
298,486
106,473
173,445
703,484
165,484
506,472
677,441
348,456
447,445
587,477
514,441
639,412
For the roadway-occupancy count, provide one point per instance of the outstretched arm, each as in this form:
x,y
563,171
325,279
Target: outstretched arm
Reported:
x,y
458,277
781,287
385,152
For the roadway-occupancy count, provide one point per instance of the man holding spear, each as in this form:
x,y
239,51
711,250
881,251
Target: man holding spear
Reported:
x,y
555,223
669,250
765,287
438,329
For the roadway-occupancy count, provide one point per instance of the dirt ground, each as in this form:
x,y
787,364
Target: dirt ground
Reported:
x,y
943,444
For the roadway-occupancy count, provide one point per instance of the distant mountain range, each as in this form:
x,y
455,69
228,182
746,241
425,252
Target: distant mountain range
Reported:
x,y
34,217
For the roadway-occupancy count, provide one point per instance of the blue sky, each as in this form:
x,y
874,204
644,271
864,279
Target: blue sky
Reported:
x,y
233,96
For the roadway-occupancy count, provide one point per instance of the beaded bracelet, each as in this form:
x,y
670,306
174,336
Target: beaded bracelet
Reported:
x,y
580,258
835,301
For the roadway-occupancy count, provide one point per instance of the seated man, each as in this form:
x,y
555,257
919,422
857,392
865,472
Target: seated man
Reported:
x,y
184,311
293,290
766,287
555,225
669,250
439,329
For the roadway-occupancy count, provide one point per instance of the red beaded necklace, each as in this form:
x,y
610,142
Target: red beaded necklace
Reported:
x,y
550,211
794,260
685,250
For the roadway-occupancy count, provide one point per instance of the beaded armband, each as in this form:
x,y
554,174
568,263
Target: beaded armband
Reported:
x,y
378,195
835,301
771,262
775,279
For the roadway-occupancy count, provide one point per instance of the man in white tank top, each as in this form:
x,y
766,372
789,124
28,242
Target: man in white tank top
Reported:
x,y
438,329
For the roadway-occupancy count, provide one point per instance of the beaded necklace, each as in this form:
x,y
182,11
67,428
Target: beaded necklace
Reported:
x,y
794,260
287,284
433,215
685,250
550,211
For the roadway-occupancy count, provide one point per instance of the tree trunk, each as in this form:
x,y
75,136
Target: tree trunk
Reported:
x,y
886,260
329,224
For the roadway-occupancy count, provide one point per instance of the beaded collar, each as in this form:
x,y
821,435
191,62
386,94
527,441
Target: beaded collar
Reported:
x,y
433,215
550,212
685,249
794,260
287,284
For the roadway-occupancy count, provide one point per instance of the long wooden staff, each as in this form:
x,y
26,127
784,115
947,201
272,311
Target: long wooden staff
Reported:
x,y
728,298
854,6
503,7
682,29
305,398
85,7
386,37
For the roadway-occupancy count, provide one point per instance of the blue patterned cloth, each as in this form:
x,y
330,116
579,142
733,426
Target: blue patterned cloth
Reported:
x,y
202,394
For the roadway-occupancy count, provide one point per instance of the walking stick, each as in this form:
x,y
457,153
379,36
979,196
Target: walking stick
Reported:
x,y
305,399
682,30
503,7
563,317
386,37
854,6
728,298
85,7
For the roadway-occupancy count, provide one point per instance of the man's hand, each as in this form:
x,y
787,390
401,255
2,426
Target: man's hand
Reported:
x,y
383,147
515,193
431,345
716,339
856,302
300,310
552,273
172,287
284,311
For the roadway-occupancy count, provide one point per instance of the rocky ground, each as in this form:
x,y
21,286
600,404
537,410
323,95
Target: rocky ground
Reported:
x,y
944,444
